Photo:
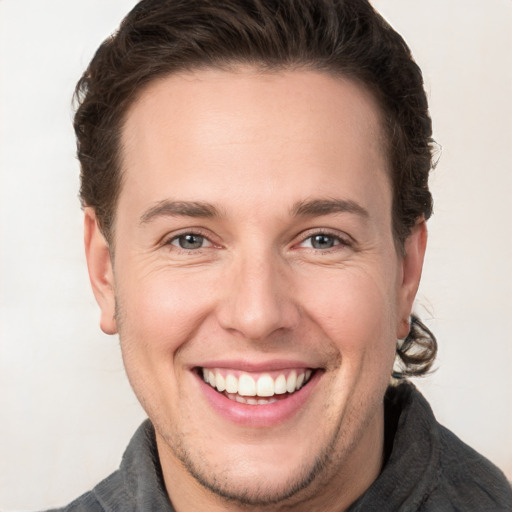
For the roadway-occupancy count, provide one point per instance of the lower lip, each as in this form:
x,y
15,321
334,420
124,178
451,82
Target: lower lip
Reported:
x,y
266,415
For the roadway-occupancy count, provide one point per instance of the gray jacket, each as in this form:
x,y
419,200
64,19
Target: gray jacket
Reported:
x,y
428,469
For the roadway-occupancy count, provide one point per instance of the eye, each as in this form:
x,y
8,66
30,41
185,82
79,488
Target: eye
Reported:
x,y
322,241
190,241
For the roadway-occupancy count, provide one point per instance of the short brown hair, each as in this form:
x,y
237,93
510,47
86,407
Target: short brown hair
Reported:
x,y
343,37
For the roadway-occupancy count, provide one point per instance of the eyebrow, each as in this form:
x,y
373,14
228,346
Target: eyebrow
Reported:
x,y
167,208
204,210
318,207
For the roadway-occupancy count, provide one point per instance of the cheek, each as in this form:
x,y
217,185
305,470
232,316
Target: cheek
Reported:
x,y
157,316
160,312
357,312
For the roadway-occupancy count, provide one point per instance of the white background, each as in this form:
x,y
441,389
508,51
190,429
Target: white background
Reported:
x,y
66,410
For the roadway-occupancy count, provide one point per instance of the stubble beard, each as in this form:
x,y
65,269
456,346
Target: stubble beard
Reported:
x,y
300,488
314,480
260,496
306,483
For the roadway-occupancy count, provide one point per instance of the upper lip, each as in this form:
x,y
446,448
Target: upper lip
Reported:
x,y
255,367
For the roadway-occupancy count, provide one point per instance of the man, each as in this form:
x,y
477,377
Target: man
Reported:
x,y
255,184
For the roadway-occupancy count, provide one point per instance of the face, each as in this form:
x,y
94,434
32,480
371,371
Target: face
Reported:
x,y
256,286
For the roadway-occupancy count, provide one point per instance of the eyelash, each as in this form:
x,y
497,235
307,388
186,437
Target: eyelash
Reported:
x,y
338,241
197,234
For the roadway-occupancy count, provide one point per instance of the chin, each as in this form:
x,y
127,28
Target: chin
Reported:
x,y
284,467
251,480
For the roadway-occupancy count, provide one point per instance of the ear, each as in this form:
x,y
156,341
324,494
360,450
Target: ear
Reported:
x,y
412,265
100,269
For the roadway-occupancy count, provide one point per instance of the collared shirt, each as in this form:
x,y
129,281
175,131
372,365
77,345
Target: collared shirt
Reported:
x,y
427,469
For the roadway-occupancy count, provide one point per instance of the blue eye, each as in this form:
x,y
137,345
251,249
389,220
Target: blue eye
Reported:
x,y
322,241
189,241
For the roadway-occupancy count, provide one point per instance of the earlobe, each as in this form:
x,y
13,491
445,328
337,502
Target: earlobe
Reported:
x,y
100,269
412,265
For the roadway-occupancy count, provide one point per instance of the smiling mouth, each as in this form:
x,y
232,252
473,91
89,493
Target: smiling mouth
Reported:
x,y
263,389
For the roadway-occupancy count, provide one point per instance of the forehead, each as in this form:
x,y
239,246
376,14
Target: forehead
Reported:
x,y
195,100
236,130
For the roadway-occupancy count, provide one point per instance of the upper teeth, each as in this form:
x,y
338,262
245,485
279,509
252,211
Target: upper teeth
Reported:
x,y
265,385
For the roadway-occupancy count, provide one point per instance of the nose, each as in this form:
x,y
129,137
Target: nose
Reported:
x,y
258,299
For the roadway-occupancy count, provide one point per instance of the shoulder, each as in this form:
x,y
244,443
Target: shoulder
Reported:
x,y
136,485
436,471
105,497
85,503
467,480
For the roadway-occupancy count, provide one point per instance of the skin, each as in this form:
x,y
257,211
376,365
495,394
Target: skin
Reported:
x,y
254,146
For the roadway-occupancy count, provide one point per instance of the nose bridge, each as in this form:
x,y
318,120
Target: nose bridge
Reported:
x,y
258,300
